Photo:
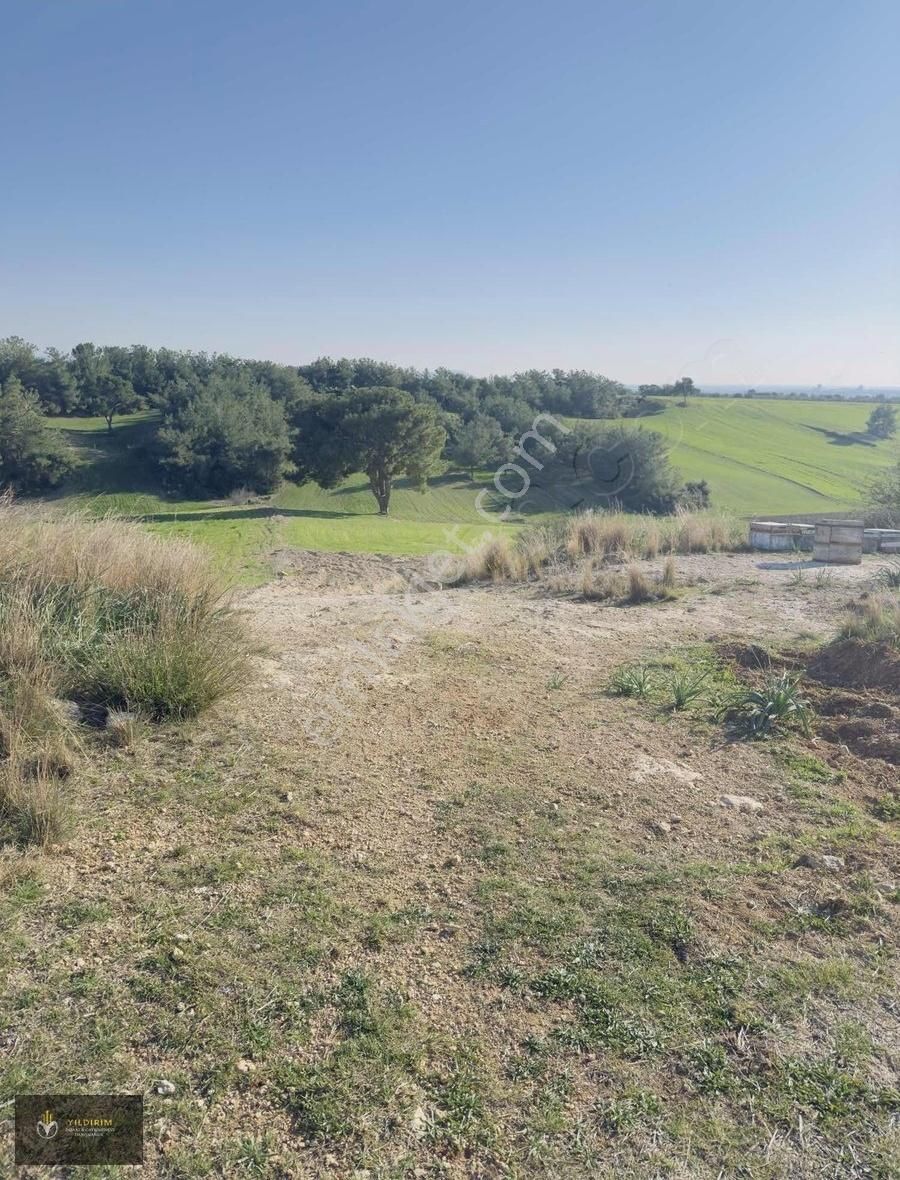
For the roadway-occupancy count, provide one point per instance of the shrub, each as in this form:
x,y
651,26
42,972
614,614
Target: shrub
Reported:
x,y
887,807
889,576
587,537
497,559
759,712
695,495
593,585
617,466
598,534
639,587
538,546
882,422
884,499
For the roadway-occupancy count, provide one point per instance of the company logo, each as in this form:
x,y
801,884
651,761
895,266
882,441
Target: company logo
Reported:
x,y
79,1129
47,1126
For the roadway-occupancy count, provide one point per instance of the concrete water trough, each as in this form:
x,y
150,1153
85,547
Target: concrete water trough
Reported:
x,y
839,542
779,536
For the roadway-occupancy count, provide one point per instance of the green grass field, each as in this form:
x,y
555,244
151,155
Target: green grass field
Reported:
x,y
776,457
760,457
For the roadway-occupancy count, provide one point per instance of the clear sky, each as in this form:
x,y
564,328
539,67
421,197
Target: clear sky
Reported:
x,y
646,188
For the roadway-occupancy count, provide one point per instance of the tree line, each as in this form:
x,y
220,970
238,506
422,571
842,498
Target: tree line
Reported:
x,y
224,423
220,423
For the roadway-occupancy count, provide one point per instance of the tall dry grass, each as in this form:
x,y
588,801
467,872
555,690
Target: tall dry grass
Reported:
x,y
104,614
618,537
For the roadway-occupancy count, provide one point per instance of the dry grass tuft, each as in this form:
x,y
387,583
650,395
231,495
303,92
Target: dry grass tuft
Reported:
x,y
639,586
497,560
875,619
103,613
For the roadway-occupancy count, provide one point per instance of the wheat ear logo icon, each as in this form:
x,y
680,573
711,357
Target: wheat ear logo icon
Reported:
x,y
47,1126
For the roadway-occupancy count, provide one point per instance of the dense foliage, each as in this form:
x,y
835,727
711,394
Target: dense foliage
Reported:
x,y
33,456
882,422
619,466
382,431
884,499
222,434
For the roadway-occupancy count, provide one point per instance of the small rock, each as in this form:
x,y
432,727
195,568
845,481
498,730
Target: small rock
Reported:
x,y
740,803
418,1122
675,819
67,711
245,1066
820,864
163,1086
287,796
659,827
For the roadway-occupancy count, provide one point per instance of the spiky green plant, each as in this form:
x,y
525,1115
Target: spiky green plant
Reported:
x,y
777,705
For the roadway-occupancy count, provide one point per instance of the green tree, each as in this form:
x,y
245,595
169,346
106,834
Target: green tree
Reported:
x,y
476,443
882,422
382,431
683,388
884,499
103,390
612,467
113,395
33,456
17,359
228,434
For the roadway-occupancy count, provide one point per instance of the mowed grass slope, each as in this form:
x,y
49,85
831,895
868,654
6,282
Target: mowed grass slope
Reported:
x,y
773,456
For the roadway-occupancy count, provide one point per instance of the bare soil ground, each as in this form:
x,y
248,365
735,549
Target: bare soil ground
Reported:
x,y
428,901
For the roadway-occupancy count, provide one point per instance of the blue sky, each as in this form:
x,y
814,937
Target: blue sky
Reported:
x,y
646,188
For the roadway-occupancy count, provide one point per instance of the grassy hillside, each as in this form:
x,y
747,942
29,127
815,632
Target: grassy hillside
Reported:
x,y
760,457
115,477
777,457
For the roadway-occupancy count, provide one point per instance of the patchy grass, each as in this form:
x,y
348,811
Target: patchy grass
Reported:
x,y
688,678
486,931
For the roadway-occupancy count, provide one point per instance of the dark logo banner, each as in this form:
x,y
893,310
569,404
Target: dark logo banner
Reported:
x,y
79,1129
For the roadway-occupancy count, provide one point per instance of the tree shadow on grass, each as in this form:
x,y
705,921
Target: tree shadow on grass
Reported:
x,y
838,438
449,479
268,513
